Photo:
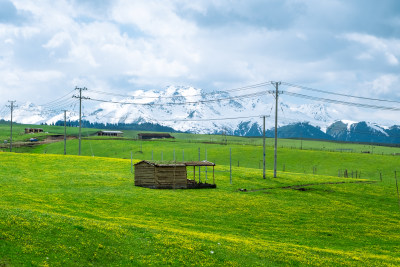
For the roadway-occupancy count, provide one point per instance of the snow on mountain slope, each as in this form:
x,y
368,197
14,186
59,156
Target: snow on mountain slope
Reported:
x,y
202,112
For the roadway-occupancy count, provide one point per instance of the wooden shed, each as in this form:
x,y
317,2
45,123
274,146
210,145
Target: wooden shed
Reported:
x,y
33,130
147,136
110,133
173,175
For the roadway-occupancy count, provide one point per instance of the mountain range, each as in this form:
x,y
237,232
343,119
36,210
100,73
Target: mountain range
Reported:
x,y
187,109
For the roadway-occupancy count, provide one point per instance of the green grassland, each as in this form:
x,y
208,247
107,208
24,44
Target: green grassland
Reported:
x,y
19,131
68,210
85,210
243,155
88,133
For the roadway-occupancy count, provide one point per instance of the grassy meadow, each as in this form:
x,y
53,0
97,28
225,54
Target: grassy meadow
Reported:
x,y
243,155
68,210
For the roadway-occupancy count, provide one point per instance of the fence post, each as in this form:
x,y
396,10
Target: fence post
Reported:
x,y
230,164
206,166
397,188
174,155
199,167
131,163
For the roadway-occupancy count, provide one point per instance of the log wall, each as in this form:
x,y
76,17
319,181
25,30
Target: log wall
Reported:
x,y
174,177
147,175
144,174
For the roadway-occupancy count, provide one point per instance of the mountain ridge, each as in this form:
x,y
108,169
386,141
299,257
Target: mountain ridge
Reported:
x,y
188,109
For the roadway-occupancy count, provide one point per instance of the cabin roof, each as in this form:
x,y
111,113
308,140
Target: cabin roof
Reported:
x,y
154,134
116,132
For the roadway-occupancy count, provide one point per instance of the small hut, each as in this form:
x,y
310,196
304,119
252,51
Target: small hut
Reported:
x,y
110,133
33,130
169,175
147,136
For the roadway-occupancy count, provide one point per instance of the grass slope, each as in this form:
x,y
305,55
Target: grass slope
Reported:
x,y
19,131
250,156
67,210
18,136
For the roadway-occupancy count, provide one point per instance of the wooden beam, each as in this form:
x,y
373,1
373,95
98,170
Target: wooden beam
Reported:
x,y
213,176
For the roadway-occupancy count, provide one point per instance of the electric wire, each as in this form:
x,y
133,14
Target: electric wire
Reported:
x,y
168,97
180,103
208,119
338,94
341,102
58,99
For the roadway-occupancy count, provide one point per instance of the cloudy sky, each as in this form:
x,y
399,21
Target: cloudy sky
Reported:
x,y
347,46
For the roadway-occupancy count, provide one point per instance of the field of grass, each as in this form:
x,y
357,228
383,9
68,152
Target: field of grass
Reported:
x,y
68,210
87,133
250,156
19,131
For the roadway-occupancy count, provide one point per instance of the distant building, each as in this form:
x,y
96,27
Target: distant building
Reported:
x,y
33,130
169,175
144,136
110,133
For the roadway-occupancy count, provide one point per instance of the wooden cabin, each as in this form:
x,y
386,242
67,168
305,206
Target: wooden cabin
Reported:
x,y
110,133
147,136
33,130
169,175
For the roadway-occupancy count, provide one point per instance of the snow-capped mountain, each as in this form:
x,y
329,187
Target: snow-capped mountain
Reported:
x,y
363,132
203,112
193,110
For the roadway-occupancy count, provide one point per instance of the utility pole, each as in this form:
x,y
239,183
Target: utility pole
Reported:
x,y
80,112
11,106
276,125
263,147
230,165
65,132
199,167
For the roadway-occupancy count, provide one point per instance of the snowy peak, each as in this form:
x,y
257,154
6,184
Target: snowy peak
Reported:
x,y
190,109
362,132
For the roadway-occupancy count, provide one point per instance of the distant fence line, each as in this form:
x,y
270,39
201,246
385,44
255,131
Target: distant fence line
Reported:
x,y
236,160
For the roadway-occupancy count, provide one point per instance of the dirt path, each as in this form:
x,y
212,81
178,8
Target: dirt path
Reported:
x,y
48,140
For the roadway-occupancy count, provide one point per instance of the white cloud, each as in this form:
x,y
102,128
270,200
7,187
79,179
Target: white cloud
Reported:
x,y
127,45
156,18
385,84
57,40
390,49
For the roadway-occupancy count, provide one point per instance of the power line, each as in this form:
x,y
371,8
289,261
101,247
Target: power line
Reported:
x,y
341,102
189,120
338,94
180,103
169,97
58,99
